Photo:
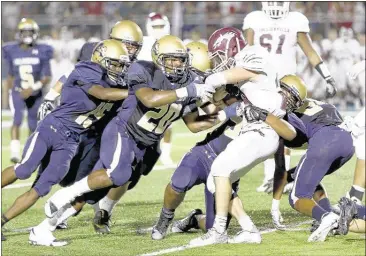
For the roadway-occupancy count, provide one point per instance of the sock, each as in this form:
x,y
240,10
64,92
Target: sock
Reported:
x,y
167,213
325,204
15,148
166,148
4,220
80,187
246,223
356,191
107,204
220,223
67,214
318,212
287,162
361,212
269,168
96,207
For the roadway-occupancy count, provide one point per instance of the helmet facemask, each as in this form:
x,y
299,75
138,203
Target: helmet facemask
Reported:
x,y
276,10
115,68
293,99
27,36
169,69
220,61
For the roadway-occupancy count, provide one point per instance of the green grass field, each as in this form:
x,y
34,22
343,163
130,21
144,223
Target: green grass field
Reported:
x,y
139,209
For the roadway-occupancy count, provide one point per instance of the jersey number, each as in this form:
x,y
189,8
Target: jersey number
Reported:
x,y
311,109
157,122
265,39
96,114
25,72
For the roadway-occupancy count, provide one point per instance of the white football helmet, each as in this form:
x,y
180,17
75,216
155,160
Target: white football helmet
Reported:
x,y
346,33
276,10
157,25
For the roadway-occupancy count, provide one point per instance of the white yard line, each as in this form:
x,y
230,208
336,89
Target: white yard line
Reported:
x,y
185,247
19,185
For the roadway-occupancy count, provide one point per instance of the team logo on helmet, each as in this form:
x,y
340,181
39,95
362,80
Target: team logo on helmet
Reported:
x,y
227,36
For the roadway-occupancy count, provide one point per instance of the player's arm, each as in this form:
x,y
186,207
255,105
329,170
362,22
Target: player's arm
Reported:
x,y
249,36
248,23
197,123
9,82
152,98
230,76
282,127
280,175
107,94
46,75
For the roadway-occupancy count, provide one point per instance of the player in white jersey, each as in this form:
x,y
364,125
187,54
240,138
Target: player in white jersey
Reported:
x,y
157,26
346,53
280,31
262,107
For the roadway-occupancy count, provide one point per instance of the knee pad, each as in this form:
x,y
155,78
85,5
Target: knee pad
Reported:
x,y
43,189
23,171
182,179
120,177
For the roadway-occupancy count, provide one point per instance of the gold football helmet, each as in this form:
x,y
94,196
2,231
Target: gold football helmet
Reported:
x,y
130,34
28,31
294,89
170,55
199,57
112,56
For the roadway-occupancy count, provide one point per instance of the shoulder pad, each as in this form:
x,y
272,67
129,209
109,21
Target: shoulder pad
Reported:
x,y
46,50
252,19
87,72
299,21
139,72
253,58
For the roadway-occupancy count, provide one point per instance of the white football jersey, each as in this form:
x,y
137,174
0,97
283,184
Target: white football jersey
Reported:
x,y
145,53
279,37
346,52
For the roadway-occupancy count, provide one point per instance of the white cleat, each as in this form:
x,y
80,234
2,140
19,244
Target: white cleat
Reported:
x,y
246,237
44,237
266,187
287,189
328,223
211,237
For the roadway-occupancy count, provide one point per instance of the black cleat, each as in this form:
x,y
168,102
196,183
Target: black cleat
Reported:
x,y
160,229
187,223
3,238
314,226
348,212
101,222
62,225
14,160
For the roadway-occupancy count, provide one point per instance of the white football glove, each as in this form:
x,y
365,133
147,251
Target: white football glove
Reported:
x,y
44,109
347,123
277,219
356,69
205,92
216,80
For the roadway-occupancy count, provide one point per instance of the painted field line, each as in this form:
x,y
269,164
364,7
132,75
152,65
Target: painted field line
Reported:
x,y
185,247
20,185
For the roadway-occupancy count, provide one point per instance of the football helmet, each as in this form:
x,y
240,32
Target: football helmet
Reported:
x,y
294,90
276,10
346,33
198,53
112,56
157,25
170,54
223,45
28,31
130,34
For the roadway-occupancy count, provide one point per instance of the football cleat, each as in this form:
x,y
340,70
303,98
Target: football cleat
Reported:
x,y
354,199
62,225
314,226
266,187
187,223
101,222
3,238
15,160
246,237
160,229
288,187
44,237
211,237
328,223
349,211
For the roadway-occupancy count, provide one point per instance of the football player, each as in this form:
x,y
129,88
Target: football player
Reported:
x,y
234,63
161,92
316,124
28,72
279,31
57,137
157,26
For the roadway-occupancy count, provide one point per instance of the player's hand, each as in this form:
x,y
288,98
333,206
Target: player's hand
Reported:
x,y
203,91
331,89
45,108
254,114
356,70
277,219
26,93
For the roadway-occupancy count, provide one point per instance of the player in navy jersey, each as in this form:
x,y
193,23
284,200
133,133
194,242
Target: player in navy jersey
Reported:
x,y
329,148
87,95
29,70
160,92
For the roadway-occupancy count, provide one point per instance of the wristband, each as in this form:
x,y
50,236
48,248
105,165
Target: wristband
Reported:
x,y
36,86
181,93
51,95
221,115
323,70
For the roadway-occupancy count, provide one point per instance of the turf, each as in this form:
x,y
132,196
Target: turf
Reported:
x,y
140,208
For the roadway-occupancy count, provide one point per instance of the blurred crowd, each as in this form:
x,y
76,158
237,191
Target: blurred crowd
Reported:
x,y
67,25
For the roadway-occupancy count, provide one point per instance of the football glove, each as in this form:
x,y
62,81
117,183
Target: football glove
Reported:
x,y
330,89
356,70
277,219
254,114
45,108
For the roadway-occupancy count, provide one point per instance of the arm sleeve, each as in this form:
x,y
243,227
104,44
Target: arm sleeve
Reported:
x,y
252,58
46,66
9,63
137,77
